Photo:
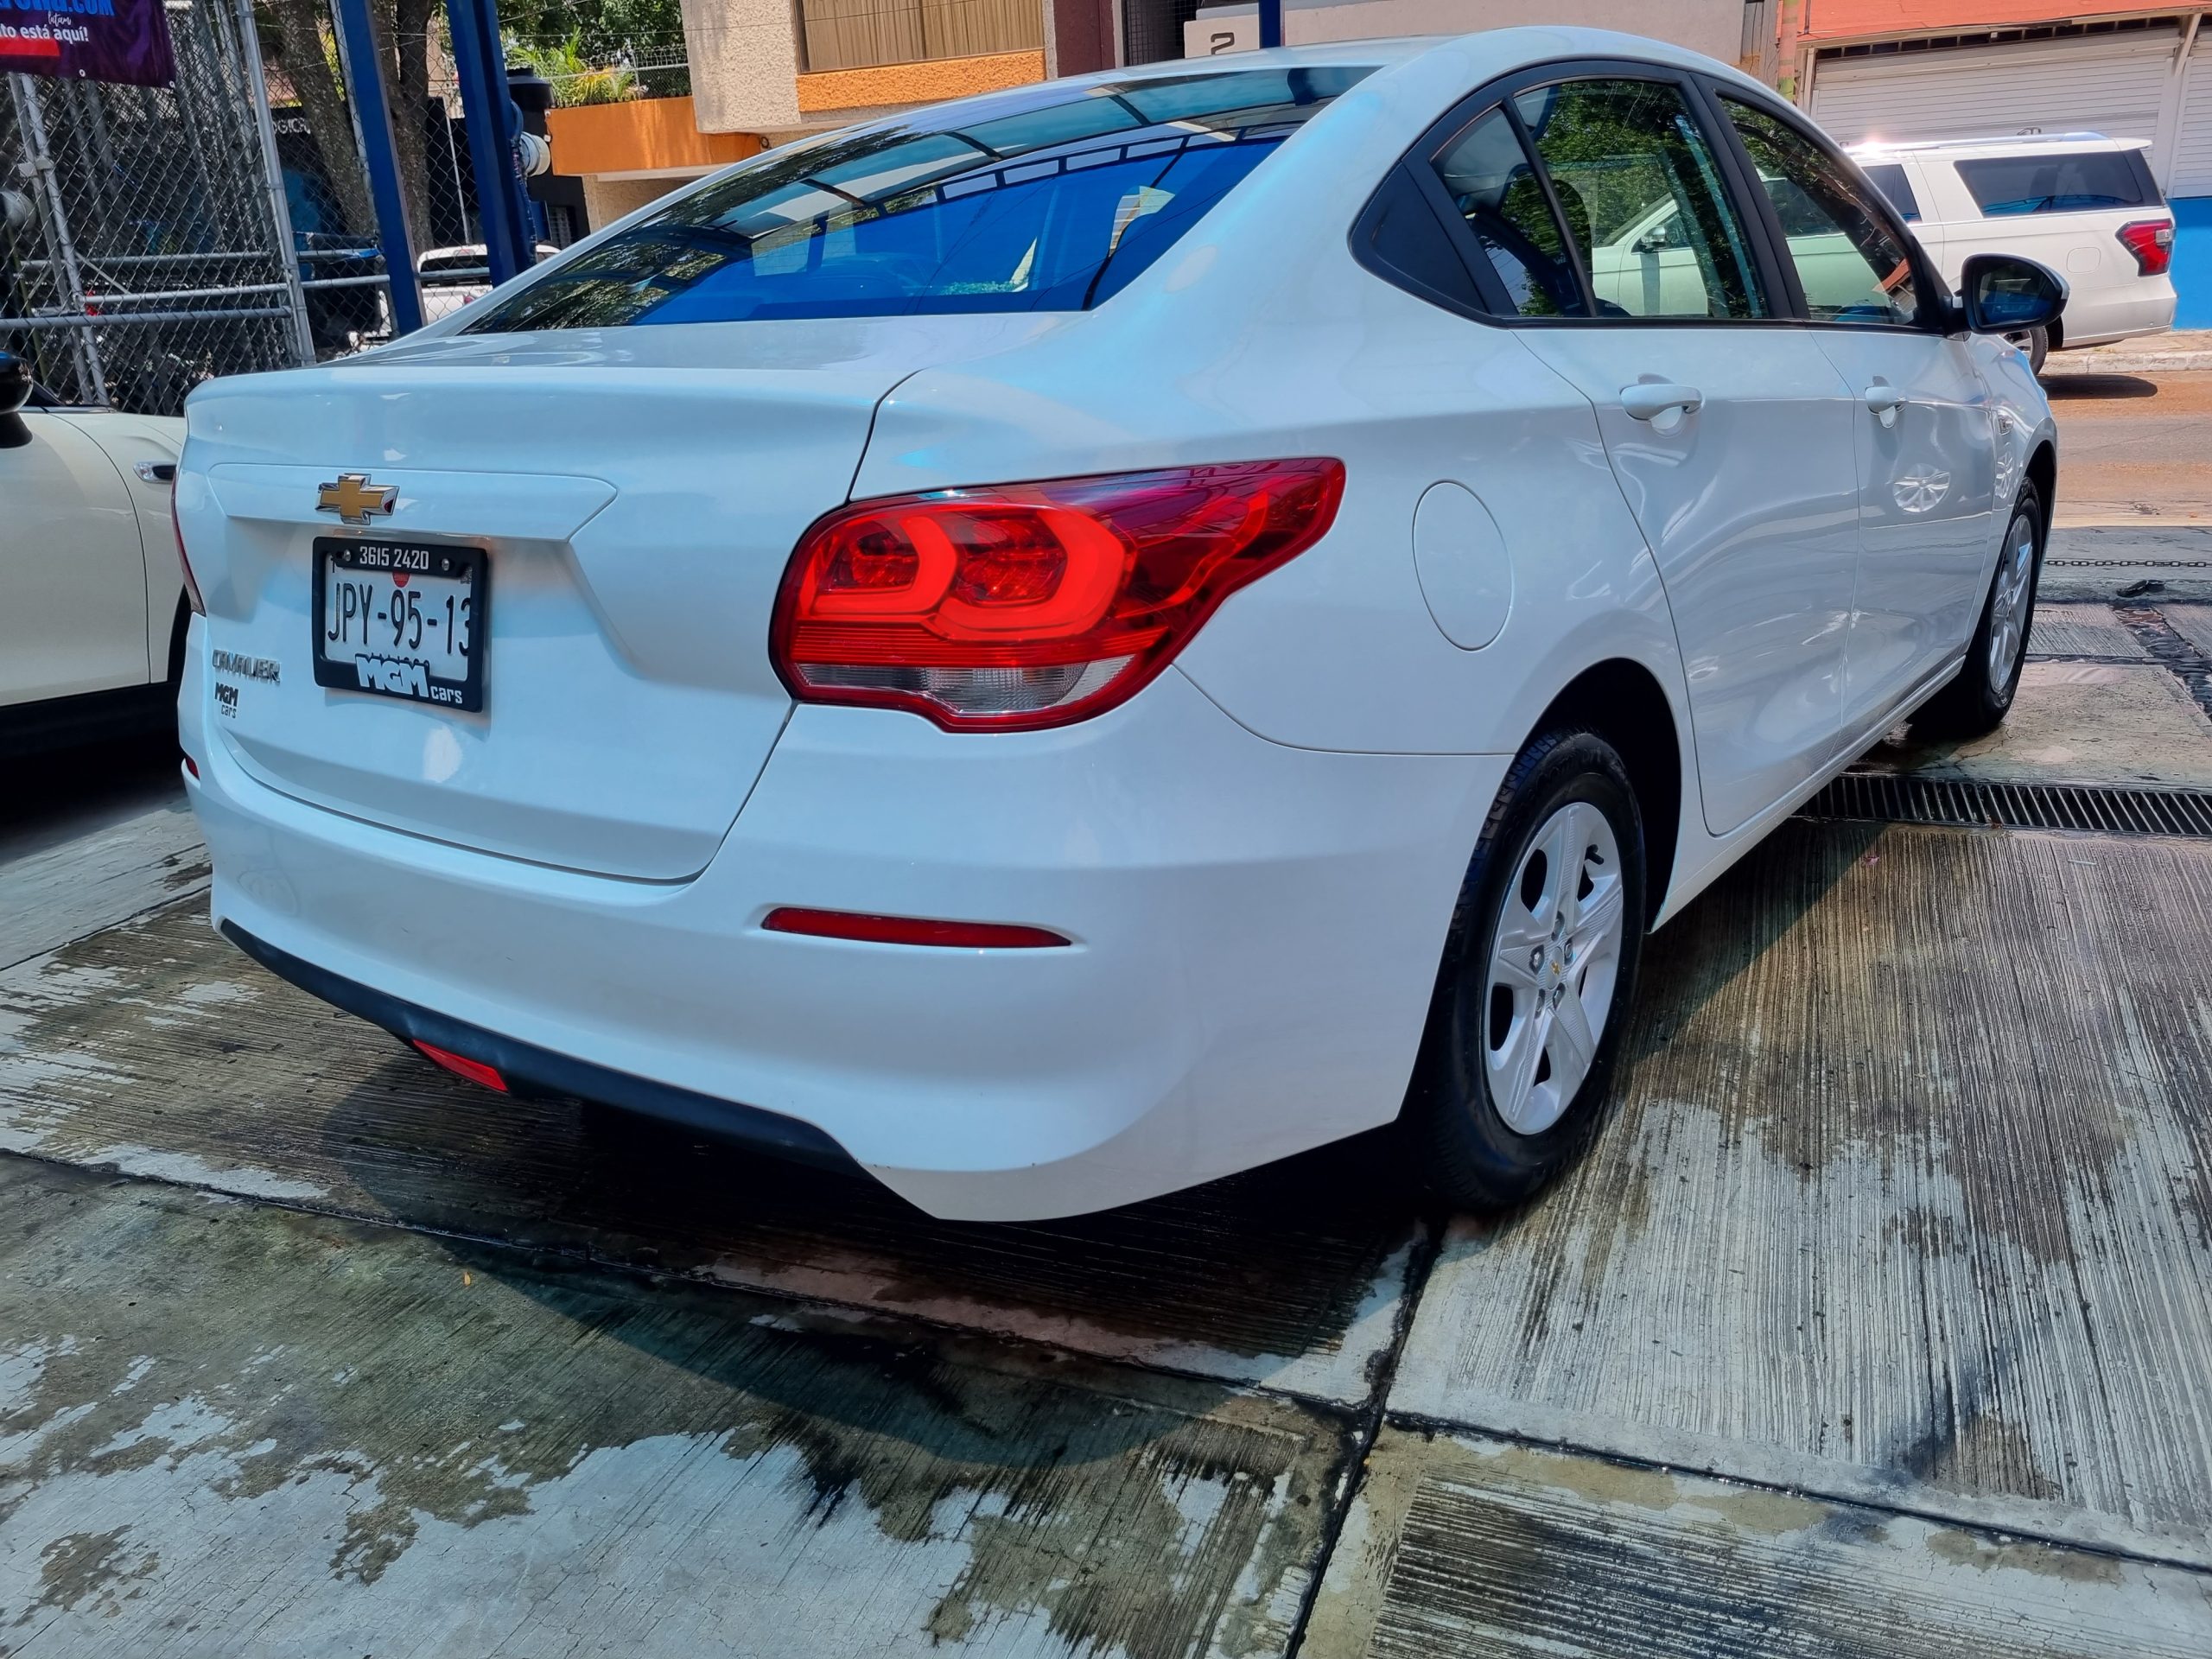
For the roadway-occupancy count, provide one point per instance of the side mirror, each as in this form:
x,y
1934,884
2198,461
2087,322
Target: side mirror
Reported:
x,y
2003,294
14,383
15,392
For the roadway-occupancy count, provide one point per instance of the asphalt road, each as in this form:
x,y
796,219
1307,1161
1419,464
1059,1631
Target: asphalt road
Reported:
x,y
1879,1322
2134,446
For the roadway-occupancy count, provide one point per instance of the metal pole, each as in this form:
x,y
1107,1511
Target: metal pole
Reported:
x,y
357,47
33,123
493,122
1270,23
280,211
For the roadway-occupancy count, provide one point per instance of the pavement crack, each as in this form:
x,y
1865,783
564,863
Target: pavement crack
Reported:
x,y
1368,1423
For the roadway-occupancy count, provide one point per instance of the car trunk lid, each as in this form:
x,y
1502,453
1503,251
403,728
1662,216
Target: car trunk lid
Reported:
x,y
636,501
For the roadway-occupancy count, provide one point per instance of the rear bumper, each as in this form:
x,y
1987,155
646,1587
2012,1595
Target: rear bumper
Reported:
x,y
1255,931
2147,308
540,1071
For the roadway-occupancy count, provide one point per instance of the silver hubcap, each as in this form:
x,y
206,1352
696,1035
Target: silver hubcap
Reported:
x,y
2008,607
1556,955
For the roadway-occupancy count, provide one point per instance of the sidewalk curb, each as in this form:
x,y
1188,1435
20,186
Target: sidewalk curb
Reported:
x,y
2178,352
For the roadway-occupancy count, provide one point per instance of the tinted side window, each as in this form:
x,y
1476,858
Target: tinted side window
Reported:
x,y
1851,266
2080,182
1642,195
1888,178
1493,184
1403,242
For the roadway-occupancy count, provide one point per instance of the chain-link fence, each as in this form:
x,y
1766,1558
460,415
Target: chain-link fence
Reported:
x,y
1151,30
146,246
154,237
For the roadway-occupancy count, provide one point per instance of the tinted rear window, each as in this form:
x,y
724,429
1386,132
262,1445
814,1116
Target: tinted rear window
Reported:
x,y
1896,189
447,271
1050,200
2063,183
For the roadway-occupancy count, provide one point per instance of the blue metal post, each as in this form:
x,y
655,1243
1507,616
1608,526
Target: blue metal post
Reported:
x,y
356,43
1270,23
502,201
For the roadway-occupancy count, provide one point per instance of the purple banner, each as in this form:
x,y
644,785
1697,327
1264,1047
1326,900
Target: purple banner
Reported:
x,y
88,39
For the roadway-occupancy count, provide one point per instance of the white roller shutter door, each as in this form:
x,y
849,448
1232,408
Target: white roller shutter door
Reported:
x,y
2192,169
2108,84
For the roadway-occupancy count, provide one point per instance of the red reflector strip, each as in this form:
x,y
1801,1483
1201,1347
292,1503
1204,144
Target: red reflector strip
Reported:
x,y
462,1066
192,765
911,929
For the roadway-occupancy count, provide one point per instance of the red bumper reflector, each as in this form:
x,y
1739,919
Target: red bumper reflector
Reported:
x,y
911,929
462,1066
192,765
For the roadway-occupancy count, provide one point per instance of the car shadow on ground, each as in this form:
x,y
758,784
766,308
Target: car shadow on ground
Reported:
x,y
1275,1262
55,796
1281,1260
2061,388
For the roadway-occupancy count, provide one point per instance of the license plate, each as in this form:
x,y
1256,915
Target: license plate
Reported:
x,y
401,619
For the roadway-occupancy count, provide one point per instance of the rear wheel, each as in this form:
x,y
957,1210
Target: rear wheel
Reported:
x,y
1976,701
1539,970
2036,342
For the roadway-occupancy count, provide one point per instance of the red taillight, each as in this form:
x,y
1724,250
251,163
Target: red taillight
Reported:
x,y
2151,242
191,583
910,930
462,1066
1031,605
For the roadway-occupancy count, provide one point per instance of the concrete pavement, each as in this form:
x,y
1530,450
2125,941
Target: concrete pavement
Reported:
x,y
1878,1321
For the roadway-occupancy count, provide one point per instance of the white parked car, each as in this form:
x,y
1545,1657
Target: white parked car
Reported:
x,y
2082,204
452,277
1055,647
92,620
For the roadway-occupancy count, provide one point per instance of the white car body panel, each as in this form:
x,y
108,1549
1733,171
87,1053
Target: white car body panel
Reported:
x,y
1256,858
89,561
1929,515
1749,505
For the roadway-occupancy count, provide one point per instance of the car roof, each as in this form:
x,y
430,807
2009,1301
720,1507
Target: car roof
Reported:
x,y
2017,143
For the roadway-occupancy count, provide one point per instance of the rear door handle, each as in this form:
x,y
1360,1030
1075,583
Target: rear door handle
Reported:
x,y
1648,401
1886,401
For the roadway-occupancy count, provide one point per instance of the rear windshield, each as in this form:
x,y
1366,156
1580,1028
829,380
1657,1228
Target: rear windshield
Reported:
x,y
447,269
1051,199
2083,181
1896,189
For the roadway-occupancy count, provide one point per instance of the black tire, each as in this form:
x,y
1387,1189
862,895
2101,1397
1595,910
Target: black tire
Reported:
x,y
179,626
2036,344
1467,1150
1971,705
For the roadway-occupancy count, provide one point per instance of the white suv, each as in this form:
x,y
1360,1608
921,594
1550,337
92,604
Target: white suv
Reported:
x,y
2081,203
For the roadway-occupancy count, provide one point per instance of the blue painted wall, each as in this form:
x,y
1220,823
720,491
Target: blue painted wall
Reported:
x,y
2193,262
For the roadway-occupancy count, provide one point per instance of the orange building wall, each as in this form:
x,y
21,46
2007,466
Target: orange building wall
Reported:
x,y
926,82
641,135
648,135
1852,20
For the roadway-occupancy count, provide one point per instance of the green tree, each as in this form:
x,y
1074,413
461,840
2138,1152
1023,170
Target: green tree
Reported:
x,y
576,78
299,32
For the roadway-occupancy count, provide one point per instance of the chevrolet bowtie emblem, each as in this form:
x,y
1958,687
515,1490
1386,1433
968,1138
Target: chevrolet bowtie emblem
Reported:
x,y
353,498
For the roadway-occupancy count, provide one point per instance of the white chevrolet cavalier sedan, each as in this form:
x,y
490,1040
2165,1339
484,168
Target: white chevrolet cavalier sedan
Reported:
x,y
1064,644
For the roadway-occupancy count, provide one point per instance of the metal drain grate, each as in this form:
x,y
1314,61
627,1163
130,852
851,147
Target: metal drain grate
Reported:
x,y
1884,797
